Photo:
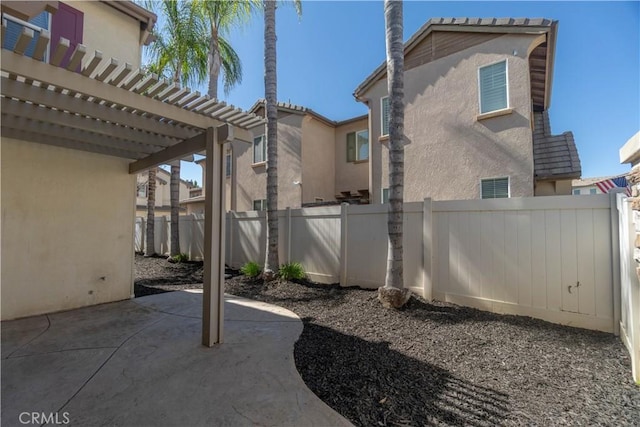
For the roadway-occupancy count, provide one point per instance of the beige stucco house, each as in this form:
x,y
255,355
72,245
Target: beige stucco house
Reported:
x,y
319,161
79,123
477,93
162,195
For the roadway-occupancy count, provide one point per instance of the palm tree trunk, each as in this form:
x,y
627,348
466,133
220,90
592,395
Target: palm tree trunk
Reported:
x,y
150,247
214,63
175,208
270,87
393,293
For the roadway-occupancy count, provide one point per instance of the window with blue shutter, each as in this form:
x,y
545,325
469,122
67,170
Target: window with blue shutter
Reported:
x,y
493,87
15,26
384,115
494,188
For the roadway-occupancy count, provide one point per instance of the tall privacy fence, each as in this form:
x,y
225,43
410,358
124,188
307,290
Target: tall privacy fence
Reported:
x,y
629,284
554,258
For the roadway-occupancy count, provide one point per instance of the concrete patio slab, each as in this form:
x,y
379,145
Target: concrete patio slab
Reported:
x,y
140,363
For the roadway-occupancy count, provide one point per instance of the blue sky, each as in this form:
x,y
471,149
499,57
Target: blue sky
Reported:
x,y
326,53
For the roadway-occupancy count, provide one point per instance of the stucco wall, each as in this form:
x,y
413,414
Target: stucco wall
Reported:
x,y
67,222
110,31
251,179
447,150
553,188
318,155
350,176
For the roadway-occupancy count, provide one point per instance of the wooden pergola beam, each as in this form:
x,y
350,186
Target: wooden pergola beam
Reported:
x,y
50,98
175,152
22,109
66,143
81,136
59,77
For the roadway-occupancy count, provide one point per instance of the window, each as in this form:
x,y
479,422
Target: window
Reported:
x,y
318,199
385,195
494,188
259,149
593,191
357,146
260,205
142,190
15,26
227,161
493,87
384,116
576,192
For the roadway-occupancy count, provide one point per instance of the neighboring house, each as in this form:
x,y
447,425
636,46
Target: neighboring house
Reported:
x,y
587,185
477,94
319,161
77,126
163,193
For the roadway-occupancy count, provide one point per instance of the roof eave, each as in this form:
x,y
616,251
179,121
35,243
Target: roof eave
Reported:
x,y
551,59
429,27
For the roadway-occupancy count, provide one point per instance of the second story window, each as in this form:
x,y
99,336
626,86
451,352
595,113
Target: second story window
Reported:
x,y
384,116
259,149
357,146
15,26
492,80
260,205
227,164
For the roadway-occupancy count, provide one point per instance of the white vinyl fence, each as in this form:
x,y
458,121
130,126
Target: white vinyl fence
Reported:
x,y
191,235
547,257
629,285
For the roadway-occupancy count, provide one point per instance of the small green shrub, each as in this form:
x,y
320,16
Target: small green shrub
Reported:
x,y
251,269
180,257
292,271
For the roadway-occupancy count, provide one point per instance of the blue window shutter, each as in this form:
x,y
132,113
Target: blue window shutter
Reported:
x,y
14,29
493,87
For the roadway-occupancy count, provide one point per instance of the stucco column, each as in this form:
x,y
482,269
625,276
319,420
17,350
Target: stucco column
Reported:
x,y
214,241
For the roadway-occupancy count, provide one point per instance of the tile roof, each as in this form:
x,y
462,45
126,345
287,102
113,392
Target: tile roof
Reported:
x,y
554,156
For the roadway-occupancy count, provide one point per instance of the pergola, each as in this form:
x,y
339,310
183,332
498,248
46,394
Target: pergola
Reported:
x,y
102,106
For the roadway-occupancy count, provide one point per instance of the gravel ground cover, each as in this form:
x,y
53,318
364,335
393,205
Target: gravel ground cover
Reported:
x,y
442,364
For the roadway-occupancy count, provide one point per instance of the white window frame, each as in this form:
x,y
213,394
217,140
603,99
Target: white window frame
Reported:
x,y
264,149
382,116
506,72
228,165
6,16
263,205
508,178
355,133
382,195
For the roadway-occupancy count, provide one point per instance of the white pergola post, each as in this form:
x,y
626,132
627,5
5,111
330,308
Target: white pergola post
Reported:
x,y
214,236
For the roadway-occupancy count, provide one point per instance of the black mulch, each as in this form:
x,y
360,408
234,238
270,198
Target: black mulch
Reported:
x,y
441,364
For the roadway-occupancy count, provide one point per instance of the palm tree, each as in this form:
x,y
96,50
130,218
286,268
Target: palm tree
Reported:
x,y
393,294
180,54
150,247
271,98
221,16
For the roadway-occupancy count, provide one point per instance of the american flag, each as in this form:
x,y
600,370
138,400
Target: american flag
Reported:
x,y
609,184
